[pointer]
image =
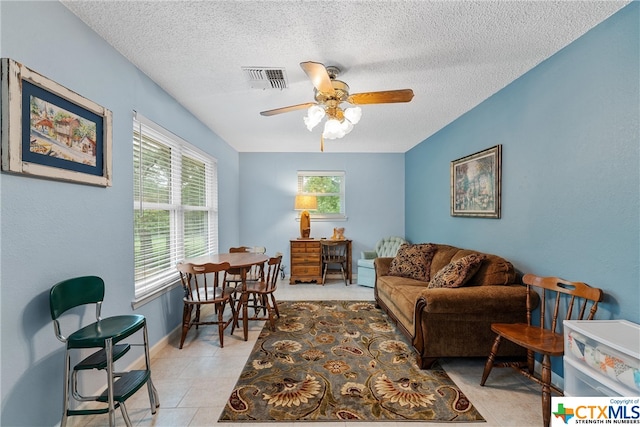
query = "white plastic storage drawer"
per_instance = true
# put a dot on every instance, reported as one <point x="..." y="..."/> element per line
<point x="577" y="383"/>
<point x="607" y="352"/>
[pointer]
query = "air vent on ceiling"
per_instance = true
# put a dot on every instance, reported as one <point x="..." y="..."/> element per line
<point x="266" y="78"/>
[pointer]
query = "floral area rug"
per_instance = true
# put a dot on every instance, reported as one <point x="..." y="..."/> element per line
<point x="340" y="360"/>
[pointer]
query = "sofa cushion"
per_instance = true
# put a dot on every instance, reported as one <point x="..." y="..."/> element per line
<point x="494" y="270"/>
<point x="413" y="261"/>
<point x="400" y="295"/>
<point x="458" y="272"/>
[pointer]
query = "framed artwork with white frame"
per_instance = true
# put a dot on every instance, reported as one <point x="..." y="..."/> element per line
<point x="49" y="131"/>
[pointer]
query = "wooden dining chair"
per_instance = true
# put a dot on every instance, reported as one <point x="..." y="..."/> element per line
<point x="256" y="272"/>
<point x="334" y="252"/>
<point x="543" y="338"/>
<point x="260" y="295"/>
<point x="234" y="275"/>
<point x="205" y="285"/>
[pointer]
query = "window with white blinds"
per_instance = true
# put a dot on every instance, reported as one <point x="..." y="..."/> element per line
<point x="175" y="205"/>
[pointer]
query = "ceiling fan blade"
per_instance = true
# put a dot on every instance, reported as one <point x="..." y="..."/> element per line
<point x="287" y="109"/>
<point x="319" y="76"/>
<point x="383" y="97"/>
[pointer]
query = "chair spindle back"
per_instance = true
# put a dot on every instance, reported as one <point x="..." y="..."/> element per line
<point x="580" y="294"/>
<point x="273" y="269"/>
<point x="195" y="281"/>
<point x="334" y="251"/>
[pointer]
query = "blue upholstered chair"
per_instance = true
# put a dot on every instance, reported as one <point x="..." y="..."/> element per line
<point x="386" y="247"/>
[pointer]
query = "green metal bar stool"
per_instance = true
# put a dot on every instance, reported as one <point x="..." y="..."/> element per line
<point x="106" y="335"/>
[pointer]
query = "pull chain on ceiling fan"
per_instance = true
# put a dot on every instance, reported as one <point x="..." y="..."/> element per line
<point x="329" y="94"/>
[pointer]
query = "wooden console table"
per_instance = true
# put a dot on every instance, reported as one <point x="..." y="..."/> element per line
<point x="306" y="261"/>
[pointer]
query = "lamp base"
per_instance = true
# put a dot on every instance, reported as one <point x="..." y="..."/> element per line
<point x="305" y="225"/>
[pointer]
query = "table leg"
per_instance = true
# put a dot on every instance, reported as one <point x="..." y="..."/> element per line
<point x="244" y="300"/>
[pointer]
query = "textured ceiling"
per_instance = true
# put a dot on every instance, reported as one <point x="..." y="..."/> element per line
<point x="453" y="54"/>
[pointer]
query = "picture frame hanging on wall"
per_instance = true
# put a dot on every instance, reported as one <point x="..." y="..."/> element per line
<point x="49" y="131"/>
<point x="476" y="184"/>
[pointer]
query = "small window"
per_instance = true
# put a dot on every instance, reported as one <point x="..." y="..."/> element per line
<point x="329" y="188"/>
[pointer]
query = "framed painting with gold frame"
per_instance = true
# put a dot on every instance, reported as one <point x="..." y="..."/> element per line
<point x="49" y="131"/>
<point x="476" y="184"/>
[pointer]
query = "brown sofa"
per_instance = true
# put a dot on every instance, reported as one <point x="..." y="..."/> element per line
<point x="453" y="322"/>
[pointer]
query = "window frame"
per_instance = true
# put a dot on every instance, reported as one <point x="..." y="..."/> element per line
<point x="315" y="216"/>
<point x="149" y="287"/>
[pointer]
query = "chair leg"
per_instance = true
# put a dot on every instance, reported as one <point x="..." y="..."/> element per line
<point x="245" y="315"/>
<point x="235" y="309"/>
<point x="235" y="306"/>
<point x="257" y="304"/>
<point x="275" y="305"/>
<point x="490" y="360"/>
<point x="344" y="276"/>
<point x="186" y="321"/>
<point x="546" y="390"/>
<point x="197" y="318"/>
<point x="324" y="273"/>
<point x="271" y="321"/>
<point x="125" y="416"/>
<point x="109" y="354"/>
<point x="234" y="316"/>
<point x="154" y="401"/>
<point x="65" y="393"/>
<point x="220" y="310"/>
<point x="530" y="361"/>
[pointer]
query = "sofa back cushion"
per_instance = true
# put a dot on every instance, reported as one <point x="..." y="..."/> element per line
<point x="413" y="261"/>
<point x="458" y="272"/>
<point x="494" y="270"/>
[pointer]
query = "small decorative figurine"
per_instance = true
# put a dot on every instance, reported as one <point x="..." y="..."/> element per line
<point x="338" y="234"/>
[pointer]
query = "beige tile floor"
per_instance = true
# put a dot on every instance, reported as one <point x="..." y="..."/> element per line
<point x="195" y="382"/>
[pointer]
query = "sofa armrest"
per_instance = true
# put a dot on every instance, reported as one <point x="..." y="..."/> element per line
<point x="381" y="264"/>
<point x="368" y="254"/>
<point x="476" y="299"/>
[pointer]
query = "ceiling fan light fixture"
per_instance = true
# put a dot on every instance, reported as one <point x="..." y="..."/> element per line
<point x="315" y="113"/>
<point x="353" y="114"/>
<point x="347" y="126"/>
<point x="333" y="129"/>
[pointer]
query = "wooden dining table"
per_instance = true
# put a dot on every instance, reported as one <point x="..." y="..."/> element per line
<point x="242" y="261"/>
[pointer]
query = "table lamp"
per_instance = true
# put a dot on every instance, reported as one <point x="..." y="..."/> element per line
<point x="304" y="203"/>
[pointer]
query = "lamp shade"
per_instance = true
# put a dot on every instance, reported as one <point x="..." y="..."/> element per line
<point x="304" y="202"/>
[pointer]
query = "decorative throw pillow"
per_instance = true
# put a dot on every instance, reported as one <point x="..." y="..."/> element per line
<point x="458" y="272"/>
<point x="413" y="261"/>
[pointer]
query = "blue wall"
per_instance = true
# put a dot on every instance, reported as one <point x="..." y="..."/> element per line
<point x="569" y="131"/>
<point x="268" y="184"/>
<point x="53" y="230"/>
